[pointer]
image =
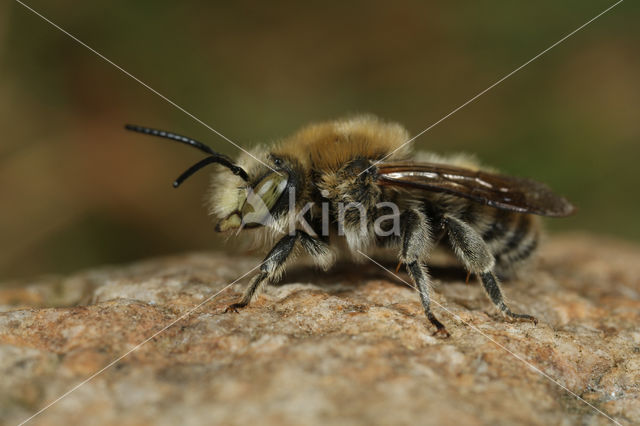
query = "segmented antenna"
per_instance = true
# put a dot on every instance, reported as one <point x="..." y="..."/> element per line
<point x="214" y="158"/>
<point x="191" y="170"/>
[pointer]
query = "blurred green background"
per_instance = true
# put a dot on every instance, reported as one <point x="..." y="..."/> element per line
<point x="77" y="190"/>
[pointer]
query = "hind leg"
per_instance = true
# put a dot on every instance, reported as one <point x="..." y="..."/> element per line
<point x="474" y="253"/>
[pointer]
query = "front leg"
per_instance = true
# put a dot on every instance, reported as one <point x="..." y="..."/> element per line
<point x="273" y="265"/>
<point x="270" y="270"/>
<point x="416" y="245"/>
<point x="474" y="253"/>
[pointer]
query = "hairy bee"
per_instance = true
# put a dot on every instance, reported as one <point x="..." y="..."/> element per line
<point x="353" y="185"/>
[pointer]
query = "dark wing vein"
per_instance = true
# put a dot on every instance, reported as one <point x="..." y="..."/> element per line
<point x="499" y="191"/>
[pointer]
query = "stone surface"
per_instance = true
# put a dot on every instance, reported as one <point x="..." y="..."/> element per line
<point x="347" y="347"/>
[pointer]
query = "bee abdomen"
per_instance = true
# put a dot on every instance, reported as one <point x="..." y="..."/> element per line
<point x="511" y="237"/>
<point x="519" y="242"/>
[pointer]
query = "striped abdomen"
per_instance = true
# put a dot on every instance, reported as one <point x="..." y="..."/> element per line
<point x="512" y="237"/>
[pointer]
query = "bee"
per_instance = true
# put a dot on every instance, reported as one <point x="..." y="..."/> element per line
<point x="353" y="185"/>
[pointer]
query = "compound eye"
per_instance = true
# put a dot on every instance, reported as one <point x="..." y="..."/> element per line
<point x="256" y="210"/>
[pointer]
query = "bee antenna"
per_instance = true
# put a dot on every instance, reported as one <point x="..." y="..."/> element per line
<point x="168" y="135"/>
<point x="214" y="158"/>
<point x="238" y="171"/>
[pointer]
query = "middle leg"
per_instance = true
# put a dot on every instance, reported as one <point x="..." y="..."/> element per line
<point x="416" y="243"/>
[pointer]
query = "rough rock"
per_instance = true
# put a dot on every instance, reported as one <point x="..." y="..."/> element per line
<point x="347" y="347"/>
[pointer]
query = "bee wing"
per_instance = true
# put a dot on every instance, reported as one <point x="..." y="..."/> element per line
<point x="499" y="191"/>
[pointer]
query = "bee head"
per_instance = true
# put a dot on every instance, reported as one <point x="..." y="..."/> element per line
<point x="254" y="202"/>
<point x="257" y="204"/>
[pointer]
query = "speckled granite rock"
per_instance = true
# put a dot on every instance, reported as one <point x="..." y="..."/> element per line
<point x="348" y="347"/>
